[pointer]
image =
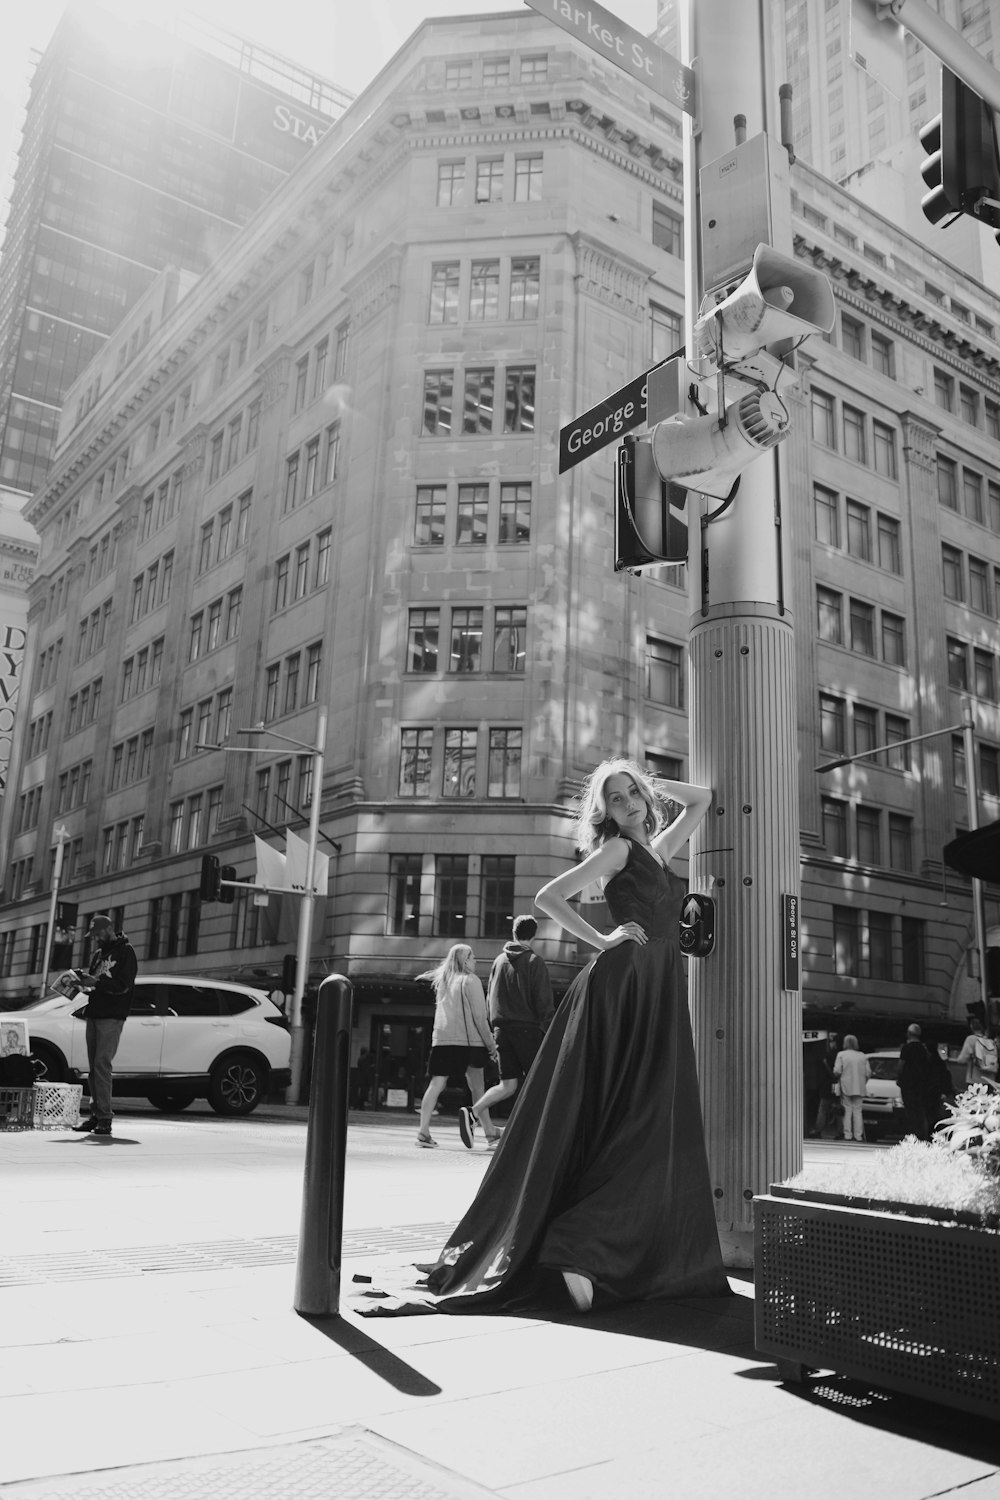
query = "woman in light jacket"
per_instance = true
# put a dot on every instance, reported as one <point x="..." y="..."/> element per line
<point x="462" y="1040"/>
<point x="852" y="1069"/>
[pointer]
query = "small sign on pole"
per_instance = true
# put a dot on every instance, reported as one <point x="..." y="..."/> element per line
<point x="790" y="942"/>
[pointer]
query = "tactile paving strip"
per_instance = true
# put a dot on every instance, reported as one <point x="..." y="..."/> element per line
<point x="210" y="1255"/>
<point x="352" y="1464"/>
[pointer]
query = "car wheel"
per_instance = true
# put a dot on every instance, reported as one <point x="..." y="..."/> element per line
<point x="52" y="1061"/>
<point x="236" y="1084"/>
<point x="171" y="1103"/>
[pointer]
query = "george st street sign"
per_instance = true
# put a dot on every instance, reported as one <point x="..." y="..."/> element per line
<point x="603" y="423"/>
<point x="605" y="34"/>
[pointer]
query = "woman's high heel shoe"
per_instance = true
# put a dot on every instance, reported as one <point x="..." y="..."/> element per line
<point x="581" y="1290"/>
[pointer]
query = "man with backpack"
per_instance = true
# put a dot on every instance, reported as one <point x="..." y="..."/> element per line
<point x="979" y="1053"/>
<point x="519" y="1000"/>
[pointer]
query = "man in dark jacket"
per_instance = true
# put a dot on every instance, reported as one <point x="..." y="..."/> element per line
<point x="912" y="1076"/>
<point x="519" y="1000"/>
<point x="110" y="984"/>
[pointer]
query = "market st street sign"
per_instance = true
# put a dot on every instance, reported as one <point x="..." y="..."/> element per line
<point x="605" y="34"/>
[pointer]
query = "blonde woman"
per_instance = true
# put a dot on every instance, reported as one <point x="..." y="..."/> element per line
<point x="462" y="1040"/>
<point x="852" y="1070"/>
<point x="600" y="1184"/>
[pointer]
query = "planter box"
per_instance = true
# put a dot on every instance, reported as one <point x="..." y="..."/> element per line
<point x="904" y="1302"/>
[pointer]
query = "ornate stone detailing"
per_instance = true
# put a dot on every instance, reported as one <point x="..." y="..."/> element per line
<point x="377" y="289"/>
<point x="274" y="375"/>
<point x="607" y="277"/>
<point x="919" y="440"/>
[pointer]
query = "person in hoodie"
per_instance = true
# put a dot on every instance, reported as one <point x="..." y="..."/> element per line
<point x="110" y="985"/>
<point x="519" y="1000"/>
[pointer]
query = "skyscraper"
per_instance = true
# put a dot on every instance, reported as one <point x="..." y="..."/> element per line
<point x="141" y="148"/>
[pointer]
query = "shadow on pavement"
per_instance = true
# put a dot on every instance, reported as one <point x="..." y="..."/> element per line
<point x="901" y="1416"/>
<point x="96" y="1140"/>
<point x="389" y="1367"/>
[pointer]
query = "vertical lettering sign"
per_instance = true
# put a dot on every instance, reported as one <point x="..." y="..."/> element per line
<point x="12" y="639"/>
<point x="605" y="34"/>
<point x="790" y="942"/>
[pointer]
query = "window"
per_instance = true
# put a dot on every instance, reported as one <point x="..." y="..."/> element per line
<point x="438" y="402"/>
<point x="979" y="585"/>
<point x="884" y="444"/>
<point x="510" y="628"/>
<point x="846" y="942"/>
<point x="271" y="677"/>
<point x="291" y="483"/>
<point x="291" y="683"/>
<point x="992" y="410"/>
<point x="484" y="290"/>
<point x="459" y="778"/>
<point x="422" y="640"/>
<point x="496" y="70"/>
<point x="951" y="573"/>
<point x="947" y="483"/>
<point x="834" y="818"/>
<point x="989" y="770"/>
<point x="281" y="568"/>
<point x="527" y="179"/>
<point x="912" y="933"/>
<point x="234" y="612"/>
<point x="519" y="400"/>
<point x="832" y="723"/>
<point x="893" y="639"/>
<point x="233" y="445"/>
<point x="253" y="425"/>
<point x="859" y="531"/>
<point x="668" y="230"/>
<point x="515" y="513"/>
<point x="314" y="667"/>
<point x="340" y="356"/>
<point x="466" y="640"/>
<point x="504" y="773"/>
<point x="450" y="183"/>
<point x="534" y="69"/>
<point x="862" y="627"/>
<point x="829" y="615"/>
<point x="958" y="664"/>
<point x="477" y="411"/>
<point x="324" y="543"/>
<point x="882" y="355"/>
<point x="972" y="496"/>
<point x="664" y="672"/>
<point x="497" y="888"/>
<point x="896" y="730"/>
<point x="900" y="841"/>
<point x="889" y="550"/>
<point x="968" y="405"/>
<point x="489" y="181"/>
<point x="665" y="332"/>
<point x="225" y="533"/>
<point x="944" y="390"/>
<point x="404" y="895"/>
<point x="451" y="884"/>
<point x="332" y="453"/>
<point x="322" y="354"/>
<point x="473" y="508"/>
<point x="415" y="762"/>
<point x="301" y="380"/>
<point x="823" y="429"/>
<point x="826" y="507"/>
<point x="524" y="286"/>
<point x="984" y="675"/>
<point x="444" y="293"/>
<point x="869" y="821"/>
<point x="215" y="458"/>
<point x="852" y="336"/>
<point x="855" y="444"/>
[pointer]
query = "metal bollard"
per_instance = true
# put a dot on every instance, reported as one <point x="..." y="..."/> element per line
<point x="321" y="1228"/>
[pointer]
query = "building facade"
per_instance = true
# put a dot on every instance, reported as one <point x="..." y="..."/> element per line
<point x="328" y="478"/>
<point x="141" y="148"/>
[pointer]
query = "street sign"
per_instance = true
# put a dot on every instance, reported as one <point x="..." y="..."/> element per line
<point x="605" y="422"/>
<point x="629" y="50"/>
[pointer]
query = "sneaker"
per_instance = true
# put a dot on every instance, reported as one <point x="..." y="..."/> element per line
<point x="426" y="1141"/>
<point x="102" y="1127"/>
<point x="466" y="1126"/>
<point x="87" y="1124"/>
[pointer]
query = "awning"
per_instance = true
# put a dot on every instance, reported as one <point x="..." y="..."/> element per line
<point x="976" y="853"/>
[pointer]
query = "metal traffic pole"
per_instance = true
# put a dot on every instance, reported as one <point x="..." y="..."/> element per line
<point x="321" y="1229"/>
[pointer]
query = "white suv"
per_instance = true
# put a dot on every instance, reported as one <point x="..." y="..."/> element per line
<point x="185" y="1038"/>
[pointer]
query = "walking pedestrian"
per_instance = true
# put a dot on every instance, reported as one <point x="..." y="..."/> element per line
<point x="110" y="985"/>
<point x="600" y="1183"/>
<point x="461" y="1041"/>
<point x="519" y="1002"/>
<point x="827" y="1111"/>
<point x="912" y="1077"/>
<point x="852" y="1070"/>
<point x="979" y="1053"/>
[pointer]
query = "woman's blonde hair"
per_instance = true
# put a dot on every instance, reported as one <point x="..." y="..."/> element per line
<point x="457" y="961"/>
<point x="593" y="822"/>
<point x="851" y="1043"/>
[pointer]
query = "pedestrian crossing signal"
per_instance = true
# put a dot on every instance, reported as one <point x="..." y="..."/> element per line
<point x="646" y="531"/>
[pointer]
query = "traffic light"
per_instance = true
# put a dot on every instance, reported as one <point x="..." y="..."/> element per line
<point x="962" y="169"/>
<point x="227" y="893"/>
<point x="645" y="530"/>
<point x="210" y="888"/>
<point x="697" y="925"/>
<point x="289" y="973"/>
<point x="993" y="971"/>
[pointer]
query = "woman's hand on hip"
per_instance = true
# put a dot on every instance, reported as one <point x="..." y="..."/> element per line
<point x="628" y="932"/>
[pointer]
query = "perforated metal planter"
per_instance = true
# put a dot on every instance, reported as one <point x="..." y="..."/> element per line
<point x="910" y="1304"/>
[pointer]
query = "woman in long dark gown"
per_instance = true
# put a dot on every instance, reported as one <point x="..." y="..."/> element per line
<point x="601" y="1182"/>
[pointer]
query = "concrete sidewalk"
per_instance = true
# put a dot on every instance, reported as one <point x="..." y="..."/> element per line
<point x="140" y="1366"/>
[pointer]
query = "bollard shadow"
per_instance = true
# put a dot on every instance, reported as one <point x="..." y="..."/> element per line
<point x="386" y="1365"/>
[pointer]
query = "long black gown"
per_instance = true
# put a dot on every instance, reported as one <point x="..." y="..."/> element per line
<point x="602" y="1168"/>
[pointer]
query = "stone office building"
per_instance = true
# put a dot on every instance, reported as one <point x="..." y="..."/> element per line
<point x="330" y="479"/>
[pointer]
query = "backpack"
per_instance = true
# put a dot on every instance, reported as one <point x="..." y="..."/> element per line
<point x="986" y="1054"/>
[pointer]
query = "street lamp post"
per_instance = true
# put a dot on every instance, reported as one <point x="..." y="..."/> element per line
<point x="972" y="801"/>
<point x="308" y="898"/>
<point x="61" y="838"/>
